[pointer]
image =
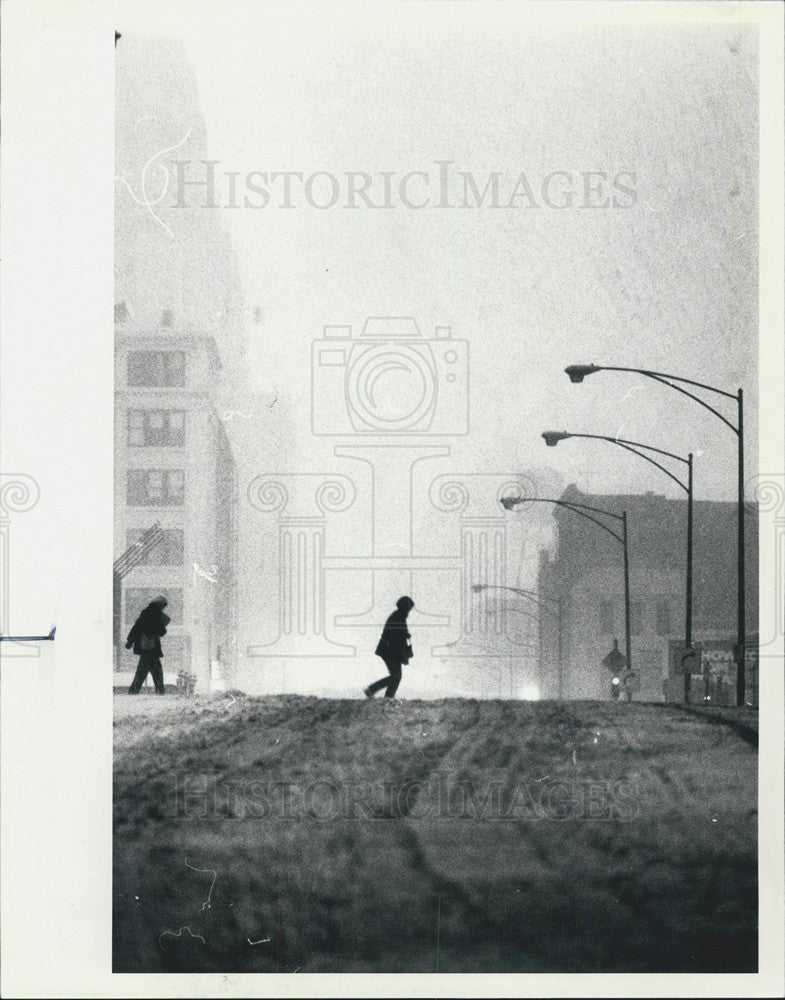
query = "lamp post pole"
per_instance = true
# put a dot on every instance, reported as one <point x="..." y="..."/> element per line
<point x="740" y="657"/>
<point x="577" y="373"/>
<point x="626" y="591"/>
<point x="560" y="653"/>
<point x="688" y="623"/>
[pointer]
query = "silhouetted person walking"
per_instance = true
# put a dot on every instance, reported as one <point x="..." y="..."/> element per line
<point x="145" y="637"/>
<point x="616" y="662"/>
<point x="395" y="649"/>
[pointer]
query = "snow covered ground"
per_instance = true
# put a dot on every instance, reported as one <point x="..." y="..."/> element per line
<point x="293" y="833"/>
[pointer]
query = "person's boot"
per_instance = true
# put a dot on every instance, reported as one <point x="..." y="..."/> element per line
<point x="368" y="693"/>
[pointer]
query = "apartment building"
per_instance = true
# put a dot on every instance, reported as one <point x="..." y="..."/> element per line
<point x="173" y="466"/>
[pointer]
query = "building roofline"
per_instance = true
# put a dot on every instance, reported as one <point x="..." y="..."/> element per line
<point x="157" y="339"/>
<point x="572" y="492"/>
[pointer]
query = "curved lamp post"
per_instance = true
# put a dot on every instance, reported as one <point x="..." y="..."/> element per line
<point x="581" y="508"/>
<point x="552" y="438"/>
<point x="577" y="373"/>
<point x="542" y="604"/>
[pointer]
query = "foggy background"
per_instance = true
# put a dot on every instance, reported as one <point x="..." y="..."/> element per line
<point x="668" y="282"/>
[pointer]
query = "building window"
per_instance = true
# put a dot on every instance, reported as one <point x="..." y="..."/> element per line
<point x="137" y="598"/>
<point x="156" y="368"/>
<point x="120" y="312"/>
<point x="155" y="487"/>
<point x="606" y="617"/>
<point x="636" y="617"/>
<point x="156" y="428"/>
<point x="168" y="552"/>
<point x="167" y="318"/>
<point x="663" y="621"/>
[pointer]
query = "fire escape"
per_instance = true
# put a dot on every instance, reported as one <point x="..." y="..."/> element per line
<point x="123" y="565"/>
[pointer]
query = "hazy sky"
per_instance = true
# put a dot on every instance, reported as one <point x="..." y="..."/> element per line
<point x="600" y="206"/>
<point x="668" y="282"/>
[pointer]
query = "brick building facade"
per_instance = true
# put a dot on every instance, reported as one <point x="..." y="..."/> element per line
<point x="584" y="580"/>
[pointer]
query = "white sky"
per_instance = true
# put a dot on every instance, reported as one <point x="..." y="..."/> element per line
<point x="669" y="284"/>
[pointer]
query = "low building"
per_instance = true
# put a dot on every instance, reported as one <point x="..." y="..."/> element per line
<point x="583" y="580"/>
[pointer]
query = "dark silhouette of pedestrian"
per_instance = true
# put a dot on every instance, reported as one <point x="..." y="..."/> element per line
<point x="395" y="649"/>
<point x="616" y="662"/>
<point x="145" y="637"/>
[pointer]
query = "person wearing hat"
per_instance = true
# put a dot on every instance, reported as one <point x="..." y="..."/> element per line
<point x="395" y="649"/>
<point x="145" y="638"/>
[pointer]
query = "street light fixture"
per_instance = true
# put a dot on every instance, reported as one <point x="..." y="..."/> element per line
<point x="577" y="373"/>
<point x="531" y="594"/>
<point x="581" y="508"/>
<point x="542" y="603"/>
<point x="552" y="438"/>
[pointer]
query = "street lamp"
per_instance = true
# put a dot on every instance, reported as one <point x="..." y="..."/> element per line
<point x="581" y="508"/>
<point x="577" y="373"/>
<point x="542" y="603"/>
<point x="552" y="438"/>
<point x="532" y="595"/>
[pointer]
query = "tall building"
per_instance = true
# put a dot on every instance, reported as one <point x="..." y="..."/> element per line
<point x="179" y="348"/>
<point x="174" y="466"/>
<point x="581" y="585"/>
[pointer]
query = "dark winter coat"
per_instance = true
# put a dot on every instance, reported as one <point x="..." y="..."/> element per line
<point x="152" y="621"/>
<point x="395" y="641"/>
